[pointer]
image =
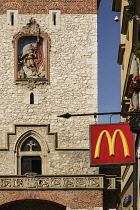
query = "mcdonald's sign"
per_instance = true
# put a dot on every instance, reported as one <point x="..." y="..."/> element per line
<point x="111" y="144"/>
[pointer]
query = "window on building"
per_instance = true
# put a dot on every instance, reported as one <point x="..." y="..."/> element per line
<point x="30" y="145"/>
<point x="12" y="19"/>
<point x="31" y="164"/>
<point x="31" y="161"/>
<point x="31" y="98"/>
<point x="54" y="19"/>
<point x="31" y="151"/>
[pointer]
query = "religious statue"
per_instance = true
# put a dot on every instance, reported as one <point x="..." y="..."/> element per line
<point x="29" y="56"/>
<point x="31" y="62"/>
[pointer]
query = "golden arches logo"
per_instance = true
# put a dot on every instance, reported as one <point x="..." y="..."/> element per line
<point x="111" y="143"/>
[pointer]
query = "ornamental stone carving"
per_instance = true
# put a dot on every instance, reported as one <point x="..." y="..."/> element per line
<point x="32" y="27"/>
<point x="33" y="181"/>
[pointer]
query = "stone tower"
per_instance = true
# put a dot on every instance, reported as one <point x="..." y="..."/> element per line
<point x="48" y="67"/>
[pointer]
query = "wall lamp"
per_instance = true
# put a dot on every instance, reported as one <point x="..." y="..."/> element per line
<point x="116" y="19"/>
<point x="136" y="17"/>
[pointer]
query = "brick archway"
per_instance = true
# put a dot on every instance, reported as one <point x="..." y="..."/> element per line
<point x="32" y="205"/>
<point x="64" y="198"/>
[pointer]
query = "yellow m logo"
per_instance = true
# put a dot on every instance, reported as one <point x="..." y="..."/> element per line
<point x="111" y="143"/>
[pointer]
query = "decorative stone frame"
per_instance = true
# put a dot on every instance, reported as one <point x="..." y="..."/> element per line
<point x="42" y="153"/>
<point x="31" y="30"/>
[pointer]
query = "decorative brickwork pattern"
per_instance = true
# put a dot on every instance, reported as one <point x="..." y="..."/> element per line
<point x="43" y="6"/>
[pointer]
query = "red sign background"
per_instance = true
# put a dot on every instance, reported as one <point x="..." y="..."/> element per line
<point x="105" y="158"/>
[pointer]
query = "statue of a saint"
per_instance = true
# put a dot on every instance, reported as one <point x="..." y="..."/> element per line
<point x="32" y="61"/>
<point x="29" y="57"/>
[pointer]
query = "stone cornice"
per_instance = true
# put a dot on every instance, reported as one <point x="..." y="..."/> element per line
<point x="33" y="181"/>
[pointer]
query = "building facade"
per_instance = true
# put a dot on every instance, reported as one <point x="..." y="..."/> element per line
<point x="128" y="58"/>
<point x="48" y="67"/>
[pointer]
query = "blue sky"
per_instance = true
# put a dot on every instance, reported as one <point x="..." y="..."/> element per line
<point x="108" y="69"/>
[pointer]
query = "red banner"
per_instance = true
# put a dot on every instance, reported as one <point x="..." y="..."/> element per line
<point x="111" y="144"/>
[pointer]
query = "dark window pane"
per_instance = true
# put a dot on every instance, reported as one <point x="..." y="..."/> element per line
<point x="30" y="145"/>
<point x="36" y="166"/>
<point x="31" y="98"/>
<point x="25" y="165"/>
<point x="30" y="164"/>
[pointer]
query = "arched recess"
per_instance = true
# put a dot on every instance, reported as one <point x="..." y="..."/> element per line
<point x="32" y="205"/>
<point x="31" y="58"/>
<point x="31" y="151"/>
<point x="31" y="98"/>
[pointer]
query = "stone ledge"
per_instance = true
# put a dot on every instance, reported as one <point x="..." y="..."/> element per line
<point x="33" y="181"/>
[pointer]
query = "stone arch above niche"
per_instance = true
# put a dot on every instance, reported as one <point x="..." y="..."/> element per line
<point x="32" y="27"/>
<point x="20" y="132"/>
<point x="31" y="46"/>
<point x="31" y="145"/>
<point x="33" y="135"/>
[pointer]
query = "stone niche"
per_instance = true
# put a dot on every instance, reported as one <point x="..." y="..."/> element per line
<point x="31" y="53"/>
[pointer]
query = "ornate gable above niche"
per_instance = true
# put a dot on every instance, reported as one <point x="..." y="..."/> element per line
<point x="21" y="132"/>
<point x="32" y="28"/>
<point x="32" y="48"/>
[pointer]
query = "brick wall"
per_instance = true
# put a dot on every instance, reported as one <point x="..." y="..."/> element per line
<point x="76" y="199"/>
<point x="43" y="6"/>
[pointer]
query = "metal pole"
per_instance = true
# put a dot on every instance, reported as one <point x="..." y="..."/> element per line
<point x="135" y="100"/>
<point x="67" y="115"/>
<point x="135" y="176"/>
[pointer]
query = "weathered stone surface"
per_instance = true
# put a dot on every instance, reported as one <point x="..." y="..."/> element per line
<point x="72" y="88"/>
<point x="70" y="84"/>
<point x="73" y="75"/>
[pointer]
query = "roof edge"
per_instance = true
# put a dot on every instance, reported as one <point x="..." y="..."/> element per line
<point x="116" y="5"/>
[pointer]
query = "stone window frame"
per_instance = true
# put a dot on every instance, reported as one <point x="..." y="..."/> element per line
<point x="42" y="154"/>
<point x="9" y="23"/>
<point x="46" y="79"/>
<point x="27" y="96"/>
<point x="57" y="14"/>
<point x="32" y="98"/>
